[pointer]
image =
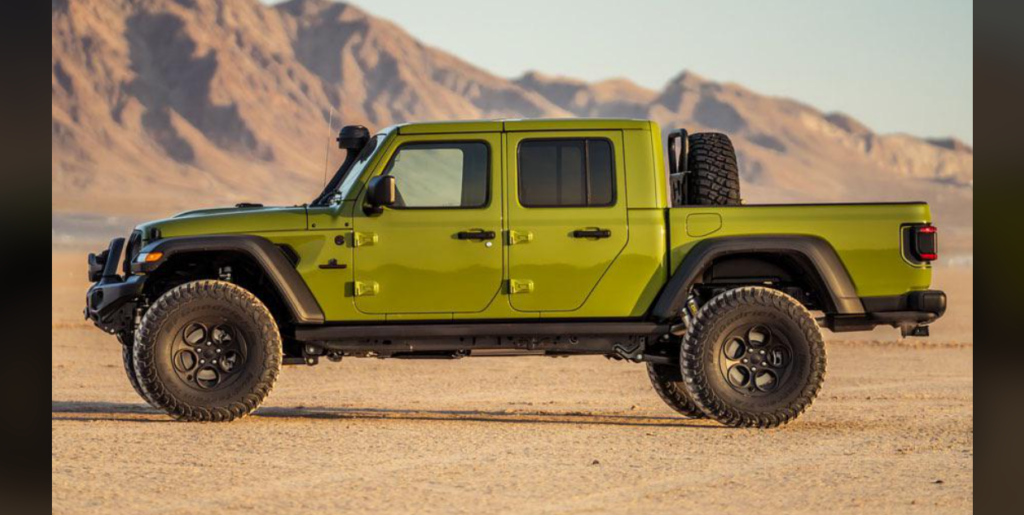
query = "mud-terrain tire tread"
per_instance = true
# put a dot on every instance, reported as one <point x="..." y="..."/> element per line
<point x="711" y="159"/>
<point x="160" y="313"/>
<point x="127" y="358"/>
<point x="672" y="391"/>
<point x="695" y="377"/>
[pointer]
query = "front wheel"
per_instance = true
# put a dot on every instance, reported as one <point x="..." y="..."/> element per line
<point x="207" y="351"/>
<point x="753" y="358"/>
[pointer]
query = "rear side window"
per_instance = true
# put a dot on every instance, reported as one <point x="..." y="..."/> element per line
<point x="441" y="175"/>
<point x="566" y="173"/>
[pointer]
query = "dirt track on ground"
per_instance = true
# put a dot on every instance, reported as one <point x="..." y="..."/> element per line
<point x="892" y="431"/>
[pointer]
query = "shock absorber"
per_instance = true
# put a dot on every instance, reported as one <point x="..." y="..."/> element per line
<point x="690" y="310"/>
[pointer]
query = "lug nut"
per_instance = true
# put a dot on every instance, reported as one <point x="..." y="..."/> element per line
<point x="764" y="363"/>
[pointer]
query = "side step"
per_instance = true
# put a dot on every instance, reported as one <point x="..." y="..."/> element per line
<point x="328" y="333"/>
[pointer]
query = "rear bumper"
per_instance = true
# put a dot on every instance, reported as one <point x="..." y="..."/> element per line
<point x="911" y="313"/>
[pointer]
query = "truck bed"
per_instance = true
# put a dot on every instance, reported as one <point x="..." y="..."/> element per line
<point x="867" y="237"/>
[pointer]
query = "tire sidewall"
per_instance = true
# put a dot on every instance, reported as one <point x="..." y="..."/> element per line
<point x="793" y="384"/>
<point x="167" y="319"/>
<point x="702" y="346"/>
<point x="174" y="325"/>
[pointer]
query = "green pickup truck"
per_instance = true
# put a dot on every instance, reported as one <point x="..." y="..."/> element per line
<point x="517" y="238"/>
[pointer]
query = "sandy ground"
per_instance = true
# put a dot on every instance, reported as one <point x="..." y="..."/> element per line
<point x="893" y="431"/>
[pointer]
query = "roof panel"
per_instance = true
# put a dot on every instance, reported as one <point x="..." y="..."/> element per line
<point x="565" y="124"/>
<point x="451" y="127"/>
<point x="576" y="124"/>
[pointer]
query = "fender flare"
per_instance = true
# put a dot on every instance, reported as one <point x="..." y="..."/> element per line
<point x="285" y="278"/>
<point x="818" y="252"/>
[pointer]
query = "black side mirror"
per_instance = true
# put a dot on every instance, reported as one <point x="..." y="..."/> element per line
<point x="353" y="138"/>
<point x="380" y="193"/>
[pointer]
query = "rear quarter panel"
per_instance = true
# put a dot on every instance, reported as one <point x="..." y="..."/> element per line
<point x="866" y="236"/>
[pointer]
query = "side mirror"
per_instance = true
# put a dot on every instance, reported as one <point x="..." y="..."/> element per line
<point x="380" y="193"/>
<point x="353" y="138"/>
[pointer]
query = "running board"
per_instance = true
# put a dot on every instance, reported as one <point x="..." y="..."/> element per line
<point x="520" y="329"/>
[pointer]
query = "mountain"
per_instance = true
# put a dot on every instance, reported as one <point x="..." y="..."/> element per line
<point x="166" y="104"/>
<point x="614" y="98"/>
<point x="159" y="104"/>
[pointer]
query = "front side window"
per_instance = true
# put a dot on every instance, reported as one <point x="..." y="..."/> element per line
<point x="566" y="173"/>
<point x="441" y="175"/>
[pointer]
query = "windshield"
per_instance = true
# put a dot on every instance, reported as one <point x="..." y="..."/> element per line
<point x="353" y="173"/>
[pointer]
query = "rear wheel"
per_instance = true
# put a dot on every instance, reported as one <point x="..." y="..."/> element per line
<point x="207" y="351"/>
<point x="668" y="382"/>
<point x="753" y="358"/>
<point x="711" y="159"/>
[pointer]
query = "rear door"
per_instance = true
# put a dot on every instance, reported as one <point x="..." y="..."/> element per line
<point x="438" y="250"/>
<point x="566" y="215"/>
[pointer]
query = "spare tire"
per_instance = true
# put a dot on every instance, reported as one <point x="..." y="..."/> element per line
<point x="715" y="179"/>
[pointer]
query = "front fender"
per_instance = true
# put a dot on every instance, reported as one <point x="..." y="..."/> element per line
<point x="289" y="284"/>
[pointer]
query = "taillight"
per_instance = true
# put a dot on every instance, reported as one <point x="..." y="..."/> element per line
<point x="928" y="243"/>
<point x="922" y="243"/>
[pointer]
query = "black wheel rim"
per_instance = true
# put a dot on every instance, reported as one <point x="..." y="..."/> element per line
<point x="755" y="359"/>
<point x="208" y="354"/>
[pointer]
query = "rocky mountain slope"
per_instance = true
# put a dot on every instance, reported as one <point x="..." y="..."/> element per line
<point x="164" y="104"/>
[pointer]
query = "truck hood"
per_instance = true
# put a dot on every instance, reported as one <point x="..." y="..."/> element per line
<point x="228" y="220"/>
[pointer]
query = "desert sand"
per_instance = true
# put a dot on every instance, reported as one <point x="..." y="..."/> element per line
<point x="892" y="431"/>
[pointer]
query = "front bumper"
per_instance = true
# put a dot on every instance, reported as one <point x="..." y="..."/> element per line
<point x="111" y="301"/>
<point x="911" y="313"/>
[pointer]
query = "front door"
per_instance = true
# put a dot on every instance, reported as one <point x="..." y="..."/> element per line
<point x="438" y="250"/>
<point x="566" y="216"/>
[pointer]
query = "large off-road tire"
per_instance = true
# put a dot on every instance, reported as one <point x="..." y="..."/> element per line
<point x="753" y="358"/>
<point x="711" y="159"/>
<point x="207" y="351"/>
<point x="127" y="358"/>
<point x="668" y="382"/>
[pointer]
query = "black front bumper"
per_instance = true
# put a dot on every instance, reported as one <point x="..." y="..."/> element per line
<point x="911" y="313"/>
<point x="112" y="300"/>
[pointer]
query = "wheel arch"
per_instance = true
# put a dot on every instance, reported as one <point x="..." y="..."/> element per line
<point x="279" y="285"/>
<point x="814" y="257"/>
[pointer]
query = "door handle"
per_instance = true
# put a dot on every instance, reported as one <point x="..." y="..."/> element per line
<point x="476" y="234"/>
<point x="592" y="233"/>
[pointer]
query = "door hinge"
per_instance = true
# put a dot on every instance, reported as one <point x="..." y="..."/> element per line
<point x="517" y="237"/>
<point x="520" y="286"/>
<point x="366" y="288"/>
<point x="363" y="239"/>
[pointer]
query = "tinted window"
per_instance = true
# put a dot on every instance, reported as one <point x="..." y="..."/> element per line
<point x="566" y="173"/>
<point x="440" y="175"/>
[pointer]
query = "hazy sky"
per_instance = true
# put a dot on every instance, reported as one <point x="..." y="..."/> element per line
<point x="898" y="66"/>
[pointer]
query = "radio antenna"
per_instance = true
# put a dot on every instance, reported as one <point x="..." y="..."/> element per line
<point x="327" y="146"/>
